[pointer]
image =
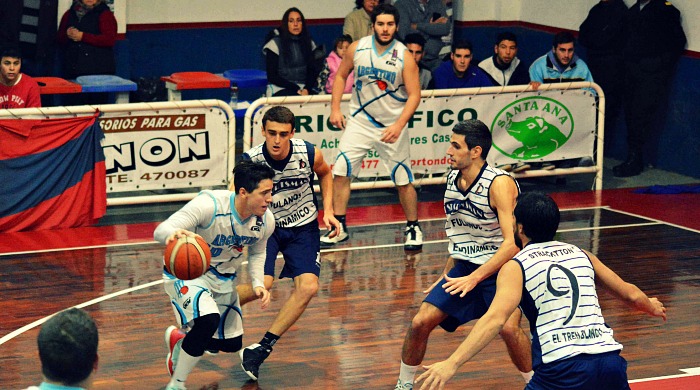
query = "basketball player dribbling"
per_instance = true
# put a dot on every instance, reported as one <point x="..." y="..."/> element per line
<point x="385" y="96"/>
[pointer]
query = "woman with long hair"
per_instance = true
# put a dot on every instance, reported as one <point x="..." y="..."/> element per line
<point x="289" y="57"/>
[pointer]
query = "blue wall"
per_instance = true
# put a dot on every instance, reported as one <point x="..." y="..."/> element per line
<point x="162" y="52"/>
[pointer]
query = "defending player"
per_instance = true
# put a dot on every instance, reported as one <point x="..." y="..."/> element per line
<point x="479" y="202"/>
<point x="296" y="235"/>
<point x="385" y="96"/>
<point x="555" y="284"/>
<point x="208" y="307"/>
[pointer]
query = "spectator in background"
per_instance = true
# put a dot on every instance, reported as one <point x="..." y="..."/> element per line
<point x="447" y="39"/>
<point x="428" y="18"/>
<point x="324" y="82"/>
<point x="559" y="65"/>
<point x="68" y="351"/>
<point x="289" y="57"/>
<point x="504" y="67"/>
<point x="459" y="72"/>
<point x="17" y="90"/>
<point x="87" y="32"/>
<point x="602" y="34"/>
<point x="415" y="44"/>
<point x="358" y="24"/>
<point x="655" y="40"/>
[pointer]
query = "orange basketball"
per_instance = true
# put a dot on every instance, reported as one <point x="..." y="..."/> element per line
<point x="187" y="258"/>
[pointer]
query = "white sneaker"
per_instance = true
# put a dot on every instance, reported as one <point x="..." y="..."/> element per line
<point x="413" y="238"/>
<point x="403" y="386"/>
<point x="326" y="239"/>
<point x="175" y="387"/>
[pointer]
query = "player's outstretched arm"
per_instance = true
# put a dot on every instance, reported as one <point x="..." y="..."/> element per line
<point x="346" y="65"/>
<point x="325" y="179"/>
<point x="508" y="293"/>
<point x="627" y="292"/>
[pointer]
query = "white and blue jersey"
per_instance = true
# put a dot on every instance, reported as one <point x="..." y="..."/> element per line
<point x="212" y="215"/>
<point x="472" y="224"/>
<point x="561" y="303"/>
<point x="379" y="94"/>
<point x="293" y="199"/>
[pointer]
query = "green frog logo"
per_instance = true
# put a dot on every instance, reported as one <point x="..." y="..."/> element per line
<point x="536" y="126"/>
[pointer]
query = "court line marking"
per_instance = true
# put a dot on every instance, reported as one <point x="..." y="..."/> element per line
<point x="654" y="219"/>
<point x="657" y="378"/>
<point x="36" y="323"/>
<point x="40" y="321"/>
<point x="149" y="242"/>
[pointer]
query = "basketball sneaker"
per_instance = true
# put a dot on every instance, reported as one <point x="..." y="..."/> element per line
<point x="403" y="386"/>
<point x="326" y="239"/>
<point x="413" y="238"/>
<point x="252" y="357"/>
<point x="175" y="387"/>
<point x="173" y="340"/>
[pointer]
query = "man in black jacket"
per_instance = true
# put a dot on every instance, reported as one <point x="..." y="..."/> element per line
<point x="602" y="34"/>
<point x="504" y="67"/>
<point x="654" y="41"/>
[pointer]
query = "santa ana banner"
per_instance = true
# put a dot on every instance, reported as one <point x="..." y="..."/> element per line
<point x="526" y="126"/>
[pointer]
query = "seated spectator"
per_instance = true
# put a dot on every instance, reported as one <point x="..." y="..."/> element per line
<point x="87" y="32"/>
<point x="428" y="18"/>
<point x="415" y="44"/>
<point x="68" y="351"/>
<point x="17" y="90"/>
<point x="504" y="67"/>
<point x="324" y="82"/>
<point x="289" y="57"/>
<point x="357" y="23"/>
<point x="459" y="72"/>
<point x="561" y="64"/>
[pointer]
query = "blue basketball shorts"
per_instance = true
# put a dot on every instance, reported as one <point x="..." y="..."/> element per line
<point x="582" y="372"/>
<point x="300" y="247"/>
<point x="462" y="310"/>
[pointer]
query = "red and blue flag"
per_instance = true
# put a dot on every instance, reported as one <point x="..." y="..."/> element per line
<point x="52" y="173"/>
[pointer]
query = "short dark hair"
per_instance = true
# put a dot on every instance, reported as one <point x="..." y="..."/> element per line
<point x="10" y="51"/>
<point x="343" y="38"/>
<point x="68" y="347"/>
<point x="462" y="44"/>
<point x="563" y="37"/>
<point x="506" y="36"/>
<point x="475" y="133"/>
<point x="539" y="215"/>
<point x="414" y="38"/>
<point x="385" y="9"/>
<point x="248" y="174"/>
<point x="279" y="114"/>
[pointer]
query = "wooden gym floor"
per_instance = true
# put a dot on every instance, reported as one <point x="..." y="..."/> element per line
<point x="350" y="336"/>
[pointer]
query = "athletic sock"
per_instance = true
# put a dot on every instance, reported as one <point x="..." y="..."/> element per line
<point x="527" y="375"/>
<point x="341" y="219"/>
<point x="185" y="365"/>
<point x="407" y="373"/>
<point x="412" y="223"/>
<point x="269" y="340"/>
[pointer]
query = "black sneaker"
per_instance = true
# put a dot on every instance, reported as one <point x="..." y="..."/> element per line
<point x="252" y="357"/>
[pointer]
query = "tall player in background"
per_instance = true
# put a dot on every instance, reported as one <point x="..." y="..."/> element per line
<point x="555" y="284"/>
<point x="296" y="235"/>
<point x="385" y="96"/>
<point x="479" y="202"/>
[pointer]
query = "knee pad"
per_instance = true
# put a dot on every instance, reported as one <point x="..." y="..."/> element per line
<point x="199" y="335"/>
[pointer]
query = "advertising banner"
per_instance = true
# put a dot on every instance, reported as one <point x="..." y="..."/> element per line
<point x="526" y="126"/>
<point x="165" y="149"/>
